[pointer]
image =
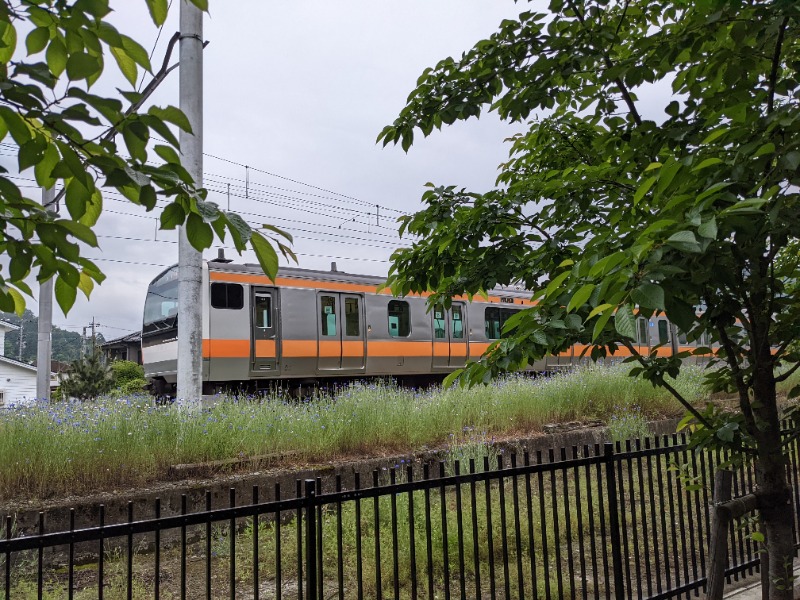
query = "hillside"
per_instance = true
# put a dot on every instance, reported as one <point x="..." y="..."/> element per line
<point x="66" y="344"/>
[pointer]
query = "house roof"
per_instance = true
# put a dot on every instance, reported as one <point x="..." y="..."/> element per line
<point x="17" y="363"/>
<point x="131" y="338"/>
<point x="8" y="326"/>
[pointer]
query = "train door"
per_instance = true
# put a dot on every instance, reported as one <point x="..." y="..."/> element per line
<point x="341" y="335"/>
<point x="264" y="356"/>
<point x="449" y="336"/>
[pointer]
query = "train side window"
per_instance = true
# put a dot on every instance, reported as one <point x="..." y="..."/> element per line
<point x="457" y="322"/>
<point x="328" y="315"/>
<point x="663" y="331"/>
<point x="262" y="310"/>
<point x="642" y="330"/>
<point x="351" y="317"/>
<point x="399" y="318"/>
<point x="439" y="323"/>
<point x="682" y="339"/>
<point x="227" y="295"/>
<point x="493" y="324"/>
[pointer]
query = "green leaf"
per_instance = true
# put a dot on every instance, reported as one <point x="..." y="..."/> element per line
<point x="126" y="65"/>
<point x="600" y="324"/>
<point x="709" y="162"/>
<point x="198" y="232"/>
<point x="580" y="297"/>
<point x="172" y="216"/>
<point x="65" y="294"/>
<point x="56" y="56"/>
<point x="77" y="197"/>
<point x="267" y="257"/>
<point x="37" y="40"/>
<point x="81" y="65"/>
<point x="643" y="189"/>
<point x="168" y="154"/>
<point x="173" y="115"/>
<point x="136" y="52"/>
<point x="708" y="230"/>
<point x="44" y="168"/>
<point x="768" y="148"/>
<point x="599" y="309"/>
<point x="8" y="41"/>
<point x="758" y="537"/>
<point x="649" y="295"/>
<point x="555" y="285"/>
<point x="714" y="135"/>
<point x="158" y="11"/>
<point x="625" y="321"/>
<point x="82" y="232"/>
<point x="685" y="241"/>
<point x="790" y="160"/>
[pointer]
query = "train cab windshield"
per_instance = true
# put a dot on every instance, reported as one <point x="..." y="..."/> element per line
<point x="161" y="304"/>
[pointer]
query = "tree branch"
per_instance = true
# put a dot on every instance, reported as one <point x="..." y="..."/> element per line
<point x="686" y="404"/>
<point x="789" y="373"/>
<point x="776" y="57"/>
<point x="744" y="399"/>
<point x="626" y="96"/>
<point x="159" y="77"/>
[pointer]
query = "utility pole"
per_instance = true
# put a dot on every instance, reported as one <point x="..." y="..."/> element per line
<point x="190" y="261"/>
<point x="45" y="348"/>
<point x="21" y="338"/>
<point x="94" y="342"/>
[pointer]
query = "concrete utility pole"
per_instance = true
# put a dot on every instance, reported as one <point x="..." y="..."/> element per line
<point x="44" y="350"/>
<point x="190" y="261"/>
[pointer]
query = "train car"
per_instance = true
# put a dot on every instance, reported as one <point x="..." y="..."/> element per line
<point x="309" y="326"/>
<point x="313" y="327"/>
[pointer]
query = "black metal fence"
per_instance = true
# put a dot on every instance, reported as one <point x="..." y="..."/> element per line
<point x="597" y="522"/>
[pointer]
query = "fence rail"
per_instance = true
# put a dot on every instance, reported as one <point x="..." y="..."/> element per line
<point x="629" y="521"/>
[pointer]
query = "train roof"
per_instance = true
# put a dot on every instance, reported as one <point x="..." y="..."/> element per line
<point x="333" y="275"/>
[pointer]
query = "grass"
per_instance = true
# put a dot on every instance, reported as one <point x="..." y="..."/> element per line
<point x="75" y="448"/>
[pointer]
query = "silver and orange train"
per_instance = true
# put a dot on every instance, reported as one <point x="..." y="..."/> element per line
<point x="313" y="327"/>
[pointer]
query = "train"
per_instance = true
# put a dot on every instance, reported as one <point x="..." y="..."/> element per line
<point x="314" y="327"/>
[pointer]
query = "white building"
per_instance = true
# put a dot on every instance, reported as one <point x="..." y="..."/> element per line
<point x="17" y="379"/>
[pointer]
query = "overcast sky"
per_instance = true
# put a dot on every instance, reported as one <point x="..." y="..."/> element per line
<point x="299" y="92"/>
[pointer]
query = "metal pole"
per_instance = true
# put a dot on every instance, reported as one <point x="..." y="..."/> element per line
<point x="613" y="520"/>
<point x="190" y="261"/>
<point x="45" y="339"/>
<point x="311" y="540"/>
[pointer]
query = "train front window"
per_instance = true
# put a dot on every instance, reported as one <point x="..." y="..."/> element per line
<point x="161" y="303"/>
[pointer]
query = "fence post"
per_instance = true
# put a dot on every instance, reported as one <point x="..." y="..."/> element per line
<point x="718" y="544"/>
<point x="311" y="539"/>
<point x="613" y="520"/>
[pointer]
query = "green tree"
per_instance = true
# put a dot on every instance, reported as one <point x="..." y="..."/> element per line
<point x="609" y="208"/>
<point x="73" y="140"/>
<point x="67" y="345"/>
<point x="88" y="378"/>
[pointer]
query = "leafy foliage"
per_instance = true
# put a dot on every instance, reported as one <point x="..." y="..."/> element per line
<point x="87" y="378"/>
<point x="74" y="139"/>
<point x="128" y="377"/>
<point x="607" y="211"/>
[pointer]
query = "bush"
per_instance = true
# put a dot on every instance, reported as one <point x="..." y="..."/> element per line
<point x="128" y="377"/>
